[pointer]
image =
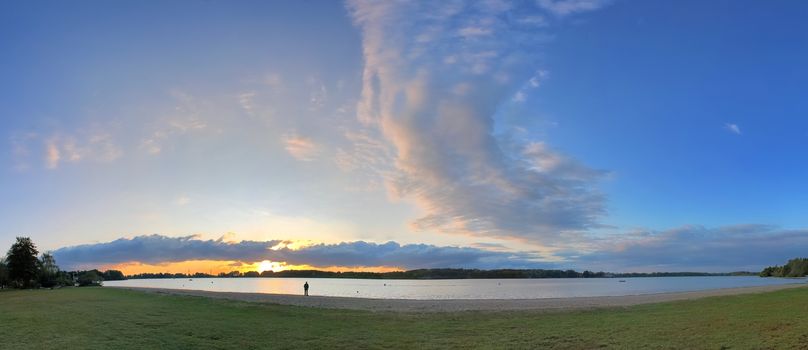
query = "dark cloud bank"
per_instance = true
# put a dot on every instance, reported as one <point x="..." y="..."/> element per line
<point x="699" y="248"/>
<point x="687" y="248"/>
<point x="159" y="249"/>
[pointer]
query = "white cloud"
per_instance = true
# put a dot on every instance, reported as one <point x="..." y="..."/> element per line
<point x="151" y="145"/>
<point x="568" y="7"/>
<point x="733" y="128"/>
<point x="538" y="21"/>
<point x="472" y="31"/>
<point x="446" y="158"/>
<point x="532" y="83"/>
<point x="519" y="96"/>
<point x="536" y="80"/>
<point x="245" y="99"/>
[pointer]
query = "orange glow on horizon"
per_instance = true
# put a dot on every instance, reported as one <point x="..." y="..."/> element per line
<point x="218" y="266"/>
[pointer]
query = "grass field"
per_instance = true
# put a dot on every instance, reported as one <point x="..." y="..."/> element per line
<point x="104" y="318"/>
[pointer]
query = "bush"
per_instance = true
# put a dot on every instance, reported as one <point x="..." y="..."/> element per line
<point x="90" y="278"/>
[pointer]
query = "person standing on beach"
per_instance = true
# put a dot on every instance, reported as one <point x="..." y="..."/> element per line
<point x="306" y="288"/>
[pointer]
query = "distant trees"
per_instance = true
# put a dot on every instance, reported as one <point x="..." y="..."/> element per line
<point x="794" y="268"/>
<point x="433" y="274"/>
<point x="411" y="274"/>
<point x="158" y="275"/>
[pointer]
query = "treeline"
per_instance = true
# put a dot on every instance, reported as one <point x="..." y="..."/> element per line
<point x="793" y="268"/>
<point x="411" y="274"/>
<point x="433" y="274"/>
<point x="173" y="275"/>
<point x="683" y="274"/>
<point x="23" y="267"/>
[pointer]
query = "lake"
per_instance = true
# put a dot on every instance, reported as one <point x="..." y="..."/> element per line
<point x="460" y="289"/>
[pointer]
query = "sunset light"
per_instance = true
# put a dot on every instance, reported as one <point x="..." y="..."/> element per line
<point x="477" y="146"/>
<point x="444" y="167"/>
<point x="267" y="265"/>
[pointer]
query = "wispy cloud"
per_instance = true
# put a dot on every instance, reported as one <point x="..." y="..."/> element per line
<point x="568" y="7"/>
<point x="186" y="117"/>
<point x="532" y="83"/>
<point x="535" y="20"/>
<point x="245" y="99"/>
<point x="60" y="147"/>
<point x="155" y="249"/>
<point x="472" y="31"/>
<point x="21" y="149"/>
<point x="368" y="158"/>
<point x="434" y="101"/>
<point x="319" y="94"/>
<point x="300" y="147"/>
<point x="52" y="155"/>
<point x="273" y="81"/>
<point x="733" y="128"/>
<point x="182" y="200"/>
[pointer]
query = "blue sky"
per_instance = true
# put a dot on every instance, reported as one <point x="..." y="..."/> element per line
<point x="607" y="135"/>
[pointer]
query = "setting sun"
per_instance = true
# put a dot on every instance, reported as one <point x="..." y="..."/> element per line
<point x="267" y="265"/>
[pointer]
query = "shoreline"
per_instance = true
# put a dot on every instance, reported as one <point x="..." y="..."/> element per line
<point x="454" y="305"/>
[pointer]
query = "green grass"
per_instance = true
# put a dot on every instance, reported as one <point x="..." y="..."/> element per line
<point x="105" y="318"/>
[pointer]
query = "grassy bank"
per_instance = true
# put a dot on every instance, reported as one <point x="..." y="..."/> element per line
<point x="103" y="318"/>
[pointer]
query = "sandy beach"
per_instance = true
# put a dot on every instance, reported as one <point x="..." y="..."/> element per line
<point x="449" y="305"/>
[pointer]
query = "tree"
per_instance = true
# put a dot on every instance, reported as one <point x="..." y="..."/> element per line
<point x="794" y="268"/>
<point x="113" y="275"/>
<point x="48" y="270"/>
<point x="89" y="278"/>
<point x="22" y="263"/>
<point x="3" y="274"/>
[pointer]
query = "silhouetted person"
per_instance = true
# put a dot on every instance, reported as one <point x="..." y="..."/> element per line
<point x="306" y="288"/>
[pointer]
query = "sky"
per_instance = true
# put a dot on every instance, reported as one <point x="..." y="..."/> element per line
<point x="609" y="135"/>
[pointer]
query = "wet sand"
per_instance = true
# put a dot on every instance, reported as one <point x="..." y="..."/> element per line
<point x="451" y="305"/>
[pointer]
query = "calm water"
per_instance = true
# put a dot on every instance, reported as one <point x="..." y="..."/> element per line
<point x="459" y="289"/>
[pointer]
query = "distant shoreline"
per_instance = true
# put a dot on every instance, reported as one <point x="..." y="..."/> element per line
<point x="440" y="273"/>
<point x="453" y="305"/>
